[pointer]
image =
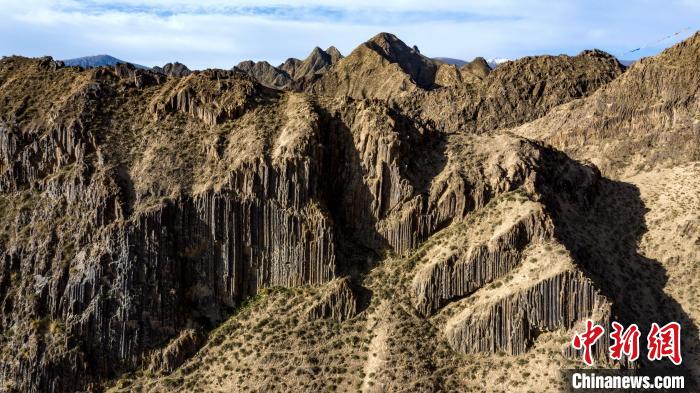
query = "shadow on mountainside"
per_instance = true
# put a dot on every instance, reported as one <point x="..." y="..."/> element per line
<point x="356" y="209"/>
<point x="602" y="235"/>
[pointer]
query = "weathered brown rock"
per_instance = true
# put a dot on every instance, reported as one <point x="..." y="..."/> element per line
<point x="266" y="74"/>
<point x="176" y="69"/>
<point x="512" y="321"/>
<point x="292" y="73"/>
<point x="318" y="61"/>
<point x="383" y="67"/>
<point x="211" y="96"/>
<point x="177" y="352"/>
<point x="478" y="67"/>
<point x="338" y="302"/>
<point x="645" y="119"/>
<point x="461" y="273"/>
<point x="136" y="207"/>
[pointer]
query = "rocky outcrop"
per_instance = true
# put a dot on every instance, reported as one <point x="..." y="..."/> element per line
<point x="383" y="67"/>
<point x="461" y="273"/>
<point x="124" y="264"/>
<point x="479" y="67"/>
<point x="511" y="321"/>
<point x="448" y="75"/>
<point x="292" y="73"/>
<point x="266" y="74"/>
<point x="137" y="77"/>
<point x="177" y="352"/>
<point x="211" y="96"/>
<point x="318" y="61"/>
<point x="337" y="302"/>
<point x="176" y="69"/>
<point x="525" y="89"/>
<point x="513" y="94"/>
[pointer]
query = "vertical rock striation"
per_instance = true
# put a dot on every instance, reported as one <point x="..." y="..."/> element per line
<point x="513" y="321"/>
<point x="458" y="274"/>
<point x="338" y="302"/>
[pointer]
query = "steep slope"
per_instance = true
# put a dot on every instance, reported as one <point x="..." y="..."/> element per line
<point x="182" y="197"/>
<point x="383" y="67"/>
<point x="157" y="230"/>
<point x="646" y="119"/>
<point x="514" y="93"/>
<point x="386" y="344"/>
<point x="643" y="130"/>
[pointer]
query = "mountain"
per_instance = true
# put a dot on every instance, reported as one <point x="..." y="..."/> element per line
<point x="265" y="73"/>
<point x="495" y="62"/>
<point x="449" y="60"/>
<point x="292" y="71"/>
<point x="96" y="61"/>
<point x="387" y="223"/>
<point x="382" y="67"/>
<point x="479" y="67"/>
<point x="317" y="61"/>
<point x="643" y="120"/>
<point x="173" y="69"/>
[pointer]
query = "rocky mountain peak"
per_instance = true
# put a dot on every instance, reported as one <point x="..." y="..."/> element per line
<point x="287" y="74"/>
<point x="479" y="67"/>
<point x="265" y="73"/>
<point x="420" y="68"/>
<point x="175" y="69"/>
<point x="334" y="53"/>
<point x="315" y="61"/>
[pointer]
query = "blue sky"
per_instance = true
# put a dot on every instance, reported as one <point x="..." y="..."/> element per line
<point x="215" y="33"/>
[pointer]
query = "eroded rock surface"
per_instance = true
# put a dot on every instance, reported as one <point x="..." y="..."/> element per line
<point x="141" y="210"/>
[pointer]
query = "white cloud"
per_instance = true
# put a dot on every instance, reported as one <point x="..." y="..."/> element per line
<point x="215" y="33"/>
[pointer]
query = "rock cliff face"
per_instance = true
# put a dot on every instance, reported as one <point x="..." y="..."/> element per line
<point x="131" y="256"/>
<point x="455" y="275"/>
<point x="338" y="303"/>
<point x="154" y="222"/>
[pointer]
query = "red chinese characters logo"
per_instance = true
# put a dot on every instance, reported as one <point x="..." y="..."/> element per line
<point x="586" y="340"/>
<point x="665" y="342"/>
<point x="662" y="342"/>
<point x="624" y="342"/>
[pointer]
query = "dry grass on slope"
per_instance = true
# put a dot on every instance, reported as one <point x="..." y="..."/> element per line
<point x="645" y="119"/>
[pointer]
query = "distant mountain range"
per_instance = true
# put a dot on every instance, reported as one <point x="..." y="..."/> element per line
<point x="493" y="63"/>
<point x="97" y="61"/>
<point x="448" y="60"/>
<point x="107" y="60"/>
